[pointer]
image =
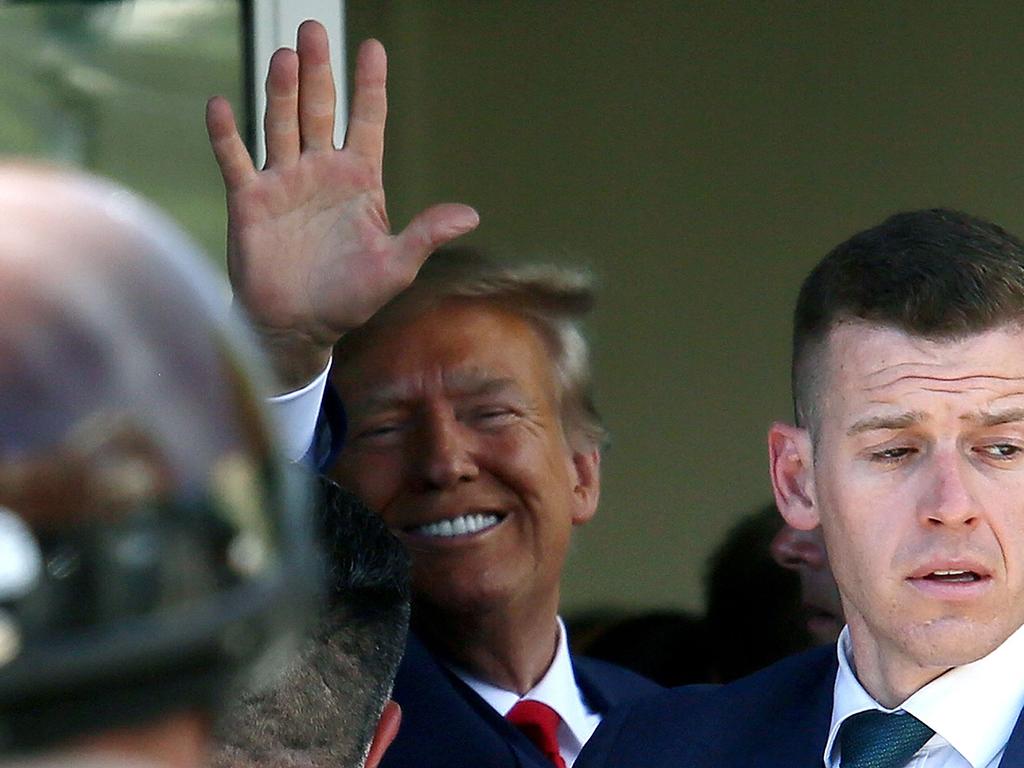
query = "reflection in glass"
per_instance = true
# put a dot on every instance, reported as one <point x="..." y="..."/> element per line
<point x="120" y="88"/>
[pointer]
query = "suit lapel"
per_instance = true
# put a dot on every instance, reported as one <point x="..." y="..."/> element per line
<point x="590" y="685"/>
<point x="1014" y="754"/>
<point x="795" y="731"/>
<point x="468" y="725"/>
<point x="523" y="750"/>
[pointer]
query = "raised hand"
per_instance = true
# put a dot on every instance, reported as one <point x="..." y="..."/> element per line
<point x="310" y="250"/>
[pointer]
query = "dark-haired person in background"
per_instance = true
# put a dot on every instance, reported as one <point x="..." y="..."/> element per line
<point x="753" y="607"/>
<point x="754" y="617"/>
<point x="471" y="430"/>
<point x="803" y="551"/>
<point x="908" y="381"/>
<point x="330" y="706"/>
<point x="670" y="647"/>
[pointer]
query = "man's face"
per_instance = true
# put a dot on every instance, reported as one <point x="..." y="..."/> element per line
<point x="804" y="552"/>
<point x="917" y="480"/>
<point x="455" y="438"/>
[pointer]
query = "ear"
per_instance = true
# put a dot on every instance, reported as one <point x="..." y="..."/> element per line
<point x="791" y="460"/>
<point x="587" y="485"/>
<point x="387" y="729"/>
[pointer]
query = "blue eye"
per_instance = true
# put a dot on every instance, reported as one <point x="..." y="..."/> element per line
<point x="1001" y="451"/>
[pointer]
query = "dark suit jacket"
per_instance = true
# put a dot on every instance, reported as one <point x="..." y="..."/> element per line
<point x="445" y="723"/>
<point x="776" y="718"/>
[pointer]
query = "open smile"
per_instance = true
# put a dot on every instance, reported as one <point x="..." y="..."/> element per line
<point x="456" y="527"/>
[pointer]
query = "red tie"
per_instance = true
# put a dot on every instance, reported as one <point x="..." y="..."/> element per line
<point x="540" y="724"/>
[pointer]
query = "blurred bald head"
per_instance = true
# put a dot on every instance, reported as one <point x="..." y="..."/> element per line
<point x="146" y="518"/>
<point x="99" y="292"/>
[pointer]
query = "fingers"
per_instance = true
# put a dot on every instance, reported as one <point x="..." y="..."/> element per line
<point x="316" y="88"/>
<point x="433" y="228"/>
<point x="232" y="157"/>
<point x="281" y="121"/>
<point x="365" y="134"/>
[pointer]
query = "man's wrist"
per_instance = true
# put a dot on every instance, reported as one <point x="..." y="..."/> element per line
<point x="296" y="362"/>
<point x="296" y="412"/>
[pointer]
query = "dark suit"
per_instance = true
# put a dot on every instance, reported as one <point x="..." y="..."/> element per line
<point x="445" y="723"/>
<point x="776" y="718"/>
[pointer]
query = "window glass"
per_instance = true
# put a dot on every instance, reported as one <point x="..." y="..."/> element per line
<point x="119" y="88"/>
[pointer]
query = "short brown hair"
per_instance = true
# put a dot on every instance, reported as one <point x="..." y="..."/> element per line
<point x="938" y="274"/>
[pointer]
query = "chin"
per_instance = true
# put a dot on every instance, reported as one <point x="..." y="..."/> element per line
<point x="949" y="643"/>
<point x="464" y="596"/>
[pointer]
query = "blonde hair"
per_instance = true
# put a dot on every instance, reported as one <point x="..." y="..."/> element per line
<point x="553" y="299"/>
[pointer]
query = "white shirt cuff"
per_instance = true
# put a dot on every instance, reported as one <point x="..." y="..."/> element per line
<point x="295" y="414"/>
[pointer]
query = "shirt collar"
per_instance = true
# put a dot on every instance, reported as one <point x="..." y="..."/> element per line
<point x="557" y="689"/>
<point x="973" y="707"/>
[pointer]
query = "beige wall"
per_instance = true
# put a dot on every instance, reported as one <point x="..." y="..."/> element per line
<point x="701" y="158"/>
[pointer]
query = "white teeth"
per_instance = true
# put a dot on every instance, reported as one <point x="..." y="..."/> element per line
<point x="949" y="573"/>
<point x="458" y="526"/>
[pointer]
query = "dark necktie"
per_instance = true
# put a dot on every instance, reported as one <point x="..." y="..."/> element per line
<point x="539" y="723"/>
<point x="875" y="739"/>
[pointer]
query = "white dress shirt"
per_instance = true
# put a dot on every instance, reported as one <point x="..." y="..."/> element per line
<point x="557" y="689"/>
<point x="972" y="708"/>
<point x="295" y="414"/>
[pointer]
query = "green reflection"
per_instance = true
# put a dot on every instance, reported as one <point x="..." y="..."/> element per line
<point x="120" y="88"/>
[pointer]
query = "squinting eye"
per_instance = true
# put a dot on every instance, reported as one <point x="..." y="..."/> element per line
<point x="493" y="416"/>
<point x="892" y="455"/>
<point x="379" y="434"/>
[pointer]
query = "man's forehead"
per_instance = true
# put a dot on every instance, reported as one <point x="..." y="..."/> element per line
<point x="885" y="378"/>
<point x="451" y="382"/>
<point x="879" y="355"/>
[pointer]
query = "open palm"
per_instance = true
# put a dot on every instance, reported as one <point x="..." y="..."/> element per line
<point x="310" y="250"/>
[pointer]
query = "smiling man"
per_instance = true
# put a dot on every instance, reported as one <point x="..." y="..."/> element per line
<point x="908" y="383"/>
<point x="471" y="430"/>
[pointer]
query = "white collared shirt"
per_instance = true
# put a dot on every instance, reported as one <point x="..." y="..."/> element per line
<point x="294" y="414"/>
<point x="972" y="708"/>
<point x="557" y="689"/>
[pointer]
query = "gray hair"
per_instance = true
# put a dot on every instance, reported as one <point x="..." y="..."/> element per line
<point x="553" y="299"/>
<point x="322" y="709"/>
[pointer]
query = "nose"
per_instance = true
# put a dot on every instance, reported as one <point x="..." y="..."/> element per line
<point x="795" y="549"/>
<point x="948" y="499"/>
<point x="445" y="456"/>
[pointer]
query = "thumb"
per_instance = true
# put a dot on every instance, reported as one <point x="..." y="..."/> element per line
<point x="432" y="228"/>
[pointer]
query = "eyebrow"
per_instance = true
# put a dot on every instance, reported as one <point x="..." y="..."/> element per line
<point x="910" y="418"/>
<point x="995" y="418"/>
<point x="465" y="384"/>
<point x="892" y="421"/>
